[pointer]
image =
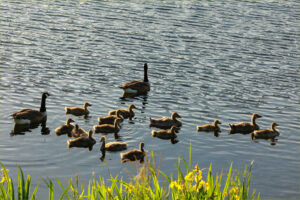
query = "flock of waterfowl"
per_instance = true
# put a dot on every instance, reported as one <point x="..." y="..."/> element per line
<point x="111" y="124"/>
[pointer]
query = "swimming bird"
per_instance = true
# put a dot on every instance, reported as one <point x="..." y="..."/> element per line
<point x="245" y="127"/>
<point x="30" y="116"/>
<point x="166" y="122"/>
<point x="66" y="128"/>
<point x="138" y="87"/>
<point x="210" y="127"/>
<point x="110" y="119"/>
<point x="126" y="113"/>
<point x="112" y="146"/>
<point x="78" y="132"/>
<point x="166" y="134"/>
<point x="267" y="133"/>
<point x="78" y="111"/>
<point x="108" y="128"/>
<point x="82" y="141"/>
<point x="134" y="154"/>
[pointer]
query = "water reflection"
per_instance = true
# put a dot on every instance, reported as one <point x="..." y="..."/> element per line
<point x="21" y="129"/>
<point x="272" y="140"/>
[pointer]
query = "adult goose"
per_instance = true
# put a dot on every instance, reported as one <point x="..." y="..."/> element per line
<point x="244" y="127"/>
<point x="210" y="127"/>
<point x="110" y="119"/>
<point x="30" y="116"/>
<point x="82" y="141"/>
<point x="78" y="111"/>
<point x="137" y="87"/>
<point x="112" y="146"/>
<point x="66" y="128"/>
<point x="166" y="134"/>
<point x="166" y="122"/>
<point x="125" y="113"/>
<point x="134" y="154"/>
<point x="267" y="133"/>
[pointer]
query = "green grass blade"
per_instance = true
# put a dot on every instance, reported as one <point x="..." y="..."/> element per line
<point x="227" y="180"/>
<point x="33" y="196"/>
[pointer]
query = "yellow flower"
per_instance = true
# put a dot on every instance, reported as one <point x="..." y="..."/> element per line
<point x="129" y="188"/>
<point x="3" y="179"/>
<point x="188" y="177"/>
<point x="207" y="186"/>
<point x="202" y="183"/>
<point x="7" y="170"/>
<point x="226" y="194"/>
<point x="173" y="184"/>
<point x="109" y="190"/>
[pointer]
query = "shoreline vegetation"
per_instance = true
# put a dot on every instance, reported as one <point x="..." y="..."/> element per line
<point x="149" y="183"/>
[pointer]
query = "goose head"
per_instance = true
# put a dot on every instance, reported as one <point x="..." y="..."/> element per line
<point x="216" y="122"/>
<point x="175" y="115"/>
<point x="86" y="104"/>
<point x="45" y="95"/>
<point x="69" y="120"/>
<point x="131" y="106"/>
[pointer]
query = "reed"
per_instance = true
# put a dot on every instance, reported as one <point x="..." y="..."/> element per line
<point x="147" y="184"/>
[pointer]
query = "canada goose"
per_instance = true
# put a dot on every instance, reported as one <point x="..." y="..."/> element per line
<point x="108" y="128"/>
<point x="166" y="134"/>
<point x="110" y="119"/>
<point x="30" y="116"/>
<point x="112" y="146"/>
<point x="66" y="128"/>
<point x="166" y="122"/>
<point x="138" y="87"/>
<point x="78" y="132"/>
<point x="126" y="113"/>
<point x="245" y="127"/>
<point x="210" y="127"/>
<point x="134" y="154"/>
<point x="267" y="133"/>
<point x="82" y="141"/>
<point x="78" y="111"/>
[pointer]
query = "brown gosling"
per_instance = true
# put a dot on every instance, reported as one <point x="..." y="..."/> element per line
<point x="166" y="134"/>
<point x="66" y="128"/>
<point x="112" y="146"/>
<point x="108" y="128"/>
<point x="30" y="116"/>
<point x="210" y="127"/>
<point x="134" y="154"/>
<point x="267" y="133"/>
<point x="245" y="127"/>
<point x="110" y="119"/>
<point x="82" y="141"/>
<point x="78" y="132"/>
<point x="166" y="122"/>
<point x="137" y="87"/>
<point x="78" y="111"/>
<point x="126" y="113"/>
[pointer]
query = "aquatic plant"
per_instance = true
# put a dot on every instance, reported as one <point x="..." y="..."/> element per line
<point x="189" y="184"/>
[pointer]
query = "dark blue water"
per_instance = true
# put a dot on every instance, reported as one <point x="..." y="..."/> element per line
<point x="207" y="61"/>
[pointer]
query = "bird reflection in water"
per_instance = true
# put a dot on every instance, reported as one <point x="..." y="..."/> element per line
<point x="22" y="129"/>
<point x="272" y="140"/>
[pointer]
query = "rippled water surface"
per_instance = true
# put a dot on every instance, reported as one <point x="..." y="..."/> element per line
<point x="207" y="61"/>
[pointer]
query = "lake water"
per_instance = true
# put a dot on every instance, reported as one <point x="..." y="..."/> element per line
<point x="207" y="61"/>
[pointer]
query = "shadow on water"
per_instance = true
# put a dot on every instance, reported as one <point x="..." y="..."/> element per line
<point x="22" y="129"/>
